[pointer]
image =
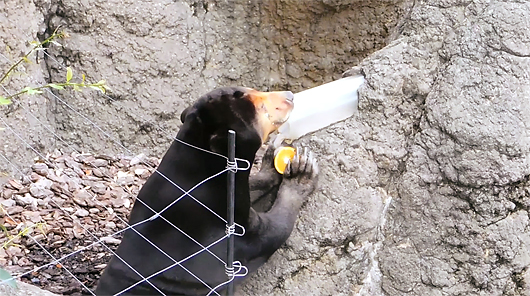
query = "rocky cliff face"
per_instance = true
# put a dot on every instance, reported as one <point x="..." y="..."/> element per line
<point x="423" y="192"/>
<point x="158" y="56"/>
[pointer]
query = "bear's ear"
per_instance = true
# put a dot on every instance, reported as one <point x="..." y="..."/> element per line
<point x="184" y="113"/>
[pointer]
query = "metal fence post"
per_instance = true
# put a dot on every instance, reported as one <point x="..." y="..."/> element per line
<point x="230" y="208"/>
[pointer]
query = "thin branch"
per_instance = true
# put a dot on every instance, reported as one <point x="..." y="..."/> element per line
<point x="25" y="57"/>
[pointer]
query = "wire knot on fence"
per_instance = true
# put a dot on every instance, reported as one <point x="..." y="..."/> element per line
<point x="231" y="166"/>
<point x="231" y="230"/>
<point x="231" y="272"/>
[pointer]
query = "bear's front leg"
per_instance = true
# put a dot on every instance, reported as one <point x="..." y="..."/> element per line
<point x="269" y="230"/>
<point x="299" y="181"/>
<point x="265" y="184"/>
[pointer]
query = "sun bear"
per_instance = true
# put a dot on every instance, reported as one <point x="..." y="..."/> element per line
<point x="171" y="256"/>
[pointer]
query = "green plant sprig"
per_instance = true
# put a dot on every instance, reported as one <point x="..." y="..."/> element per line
<point x="100" y="85"/>
<point x="27" y="230"/>
<point x="35" y="48"/>
<point x="41" y="226"/>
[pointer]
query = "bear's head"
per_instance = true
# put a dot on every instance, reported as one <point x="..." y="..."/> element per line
<point x="252" y="114"/>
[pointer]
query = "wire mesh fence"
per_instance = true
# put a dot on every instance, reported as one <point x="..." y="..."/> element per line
<point x="35" y="191"/>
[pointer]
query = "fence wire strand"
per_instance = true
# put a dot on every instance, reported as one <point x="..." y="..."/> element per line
<point x="232" y="273"/>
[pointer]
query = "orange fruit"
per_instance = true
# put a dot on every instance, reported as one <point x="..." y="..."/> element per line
<point x="283" y="156"/>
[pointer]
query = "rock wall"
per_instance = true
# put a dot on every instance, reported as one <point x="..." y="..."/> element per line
<point x="427" y="189"/>
<point x="423" y="192"/>
<point x="447" y="109"/>
<point x="20" y="23"/>
<point x="160" y="55"/>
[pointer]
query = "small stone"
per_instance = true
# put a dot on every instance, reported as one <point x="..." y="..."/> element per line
<point x="100" y="266"/>
<point x="153" y="161"/>
<point x="34" y="217"/>
<point x="94" y="210"/>
<point x="98" y="173"/>
<point x="120" y="202"/>
<point x="80" y="202"/>
<point x="13" y="250"/>
<point x="43" y="183"/>
<point x="139" y="172"/>
<point x="110" y="240"/>
<point x="15" y="184"/>
<point x="75" y="167"/>
<point x="73" y="184"/>
<point x="117" y="192"/>
<point x="124" y="178"/>
<point x="25" y="200"/>
<point x="38" y="192"/>
<point x="137" y="159"/>
<point x="23" y="191"/>
<point x="110" y="225"/>
<point x="81" y="213"/>
<point x="44" y="201"/>
<point x="40" y="168"/>
<point x="83" y="157"/>
<point x="81" y="269"/>
<point x="106" y="157"/>
<point x="8" y="193"/>
<point x="99" y="188"/>
<point x="56" y="153"/>
<point x="8" y="203"/>
<point x="23" y="261"/>
<point x="15" y="210"/>
<point x="81" y="197"/>
<point x="34" y="177"/>
<point x="58" y="243"/>
<point x="99" y="163"/>
<point x="146" y="174"/>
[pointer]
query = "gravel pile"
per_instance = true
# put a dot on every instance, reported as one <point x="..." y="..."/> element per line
<point x="64" y="205"/>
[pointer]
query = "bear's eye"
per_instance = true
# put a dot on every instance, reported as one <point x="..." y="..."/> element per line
<point x="238" y="94"/>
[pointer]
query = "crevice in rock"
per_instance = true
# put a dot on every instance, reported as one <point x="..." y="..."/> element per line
<point x="518" y="279"/>
<point x="372" y="281"/>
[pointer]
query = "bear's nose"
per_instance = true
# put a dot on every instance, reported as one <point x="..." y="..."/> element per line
<point x="289" y="95"/>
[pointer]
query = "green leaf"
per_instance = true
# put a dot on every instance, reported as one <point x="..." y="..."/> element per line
<point x="101" y="82"/>
<point x="9" y="280"/>
<point x="84" y="78"/>
<point x="53" y="85"/>
<point x="31" y="91"/>
<point x="4" y="101"/>
<point x="69" y="74"/>
<point x="98" y="87"/>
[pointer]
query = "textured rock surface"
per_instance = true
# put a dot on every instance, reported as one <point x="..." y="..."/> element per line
<point x="20" y="22"/>
<point x="424" y="192"/>
<point x="442" y="133"/>
<point x="24" y="290"/>
<point x="160" y="55"/>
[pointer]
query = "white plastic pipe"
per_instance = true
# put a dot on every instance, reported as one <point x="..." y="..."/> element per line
<point x="321" y="106"/>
